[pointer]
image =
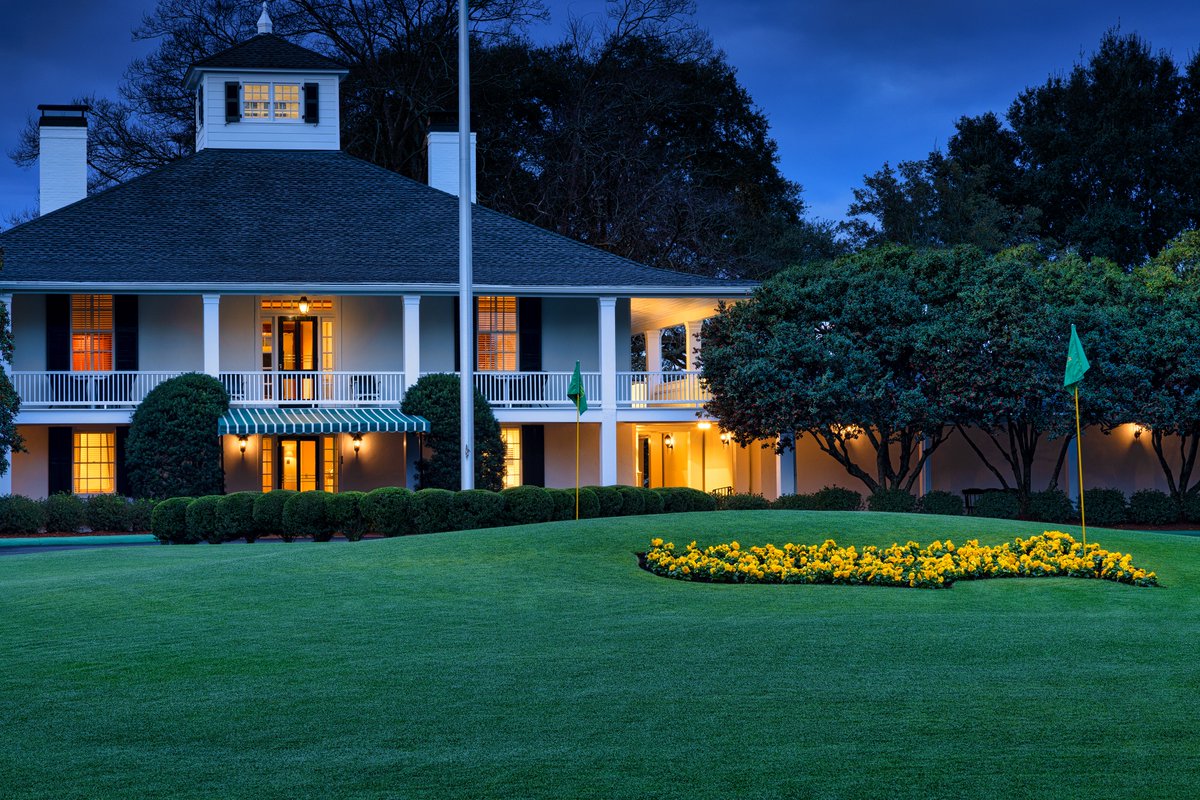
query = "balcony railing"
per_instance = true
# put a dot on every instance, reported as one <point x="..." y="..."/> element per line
<point x="534" y="389"/>
<point x="347" y="388"/>
<point x="85" y="389"/>
<point x="669" y="389"/>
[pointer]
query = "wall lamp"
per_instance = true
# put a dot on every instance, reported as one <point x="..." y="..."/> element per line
<point x="303" y="304"/>
<point x="669" y="442"/>
<point x="242" y="445"/>
<point x="725" y="437"/>
<point x="356" y="443"/>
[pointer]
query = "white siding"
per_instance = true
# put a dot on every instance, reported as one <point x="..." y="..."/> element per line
<point x="29" y="332"/>
<point x="239" y="333"/>
<point x="255" y="135"/>
<point x="372" y="333"/>
<point x="437" y="334"/>
<point x="170" y="335"/>
<point x="570" y="332"/>
<point x="62" y="167"/>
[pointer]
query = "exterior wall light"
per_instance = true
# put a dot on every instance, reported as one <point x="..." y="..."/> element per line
<point x="725" y="437"/>
<point x="242" y="445"/>
<point x="669" y="442"/>
<point x="356" y="443"/>
<point x="303" y="304"/>
<point x="703" y="424"/>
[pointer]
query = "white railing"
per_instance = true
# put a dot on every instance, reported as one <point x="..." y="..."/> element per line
<point x="533" y="389"/>
<point x="344" y="388"/>
<point x="669" y="389"/>
<point x="124" y="389"/>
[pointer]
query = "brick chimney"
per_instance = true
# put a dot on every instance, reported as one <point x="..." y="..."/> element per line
<point x="62" y="159"/>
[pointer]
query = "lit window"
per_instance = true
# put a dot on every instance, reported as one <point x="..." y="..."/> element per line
<point x="267" y="449"/>
<point x="511" y="435"/>
<point x="95" y="463"/>
<point x="256" y="101"/>
<point x="91" y="332"/>
<point x="496" y="341"/>
<point x="330" y="462"/>
<point x="287" y="101"/>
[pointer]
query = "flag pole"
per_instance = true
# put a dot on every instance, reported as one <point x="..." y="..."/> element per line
<point x="1079" y="462"/>
<point x="466" y="305"/>
<point x="576" y="460"/>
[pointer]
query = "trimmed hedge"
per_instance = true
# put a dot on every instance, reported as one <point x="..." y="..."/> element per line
<point x="610" y="500"/>
<point x="65" y="513"/>
<point x="632" y="503"/>
<point x="479" y="508"/>
<point x="1191" y="506"/>
<point x="268" y="512"/>
<point x="168" y="523"/>
<point x="946" y="504"/>
<point x="835" y="498"/>
<point x="564" y="503"/>
<point x="1152" y="507"/>
<point x="652" y="501"/>
<point x="1052" y="505"/>
<point x="433" y="511"/>
<point x="998" y="504"/>
<point x="141" y="514"/>
<point x="306" y="514"/>
<point x="742" y="502"/>
<point x="895" y="501"/>
<point x="795" y="502"/>
<point x="202" y="520"/>
<point x="388" y="511"/>
<point x="107" y="512"/>
<point x="589" y="503"/>
<point x="235" y="516"/>
<point x="525" y="505"/>
<point x="345" y="514"/>
<point x="1105" y="507"/>
<point x="19" y="514"/>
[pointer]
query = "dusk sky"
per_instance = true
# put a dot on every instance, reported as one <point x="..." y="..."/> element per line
<point x="846" y="85"/>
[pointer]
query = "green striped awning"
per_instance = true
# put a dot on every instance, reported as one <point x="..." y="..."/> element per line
<point x="247" y="421"/>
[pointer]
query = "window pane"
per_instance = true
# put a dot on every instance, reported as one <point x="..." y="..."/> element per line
<point x="496" y="342"/>
<point x="256" y="101"/>
<point x="512" y="455"/>
<point x="330" y="462"/>
<point x="91" y="332"/>
<point x="287" y="101"/>
<point x="95" y="463"/>
<point x="267" y="449"/>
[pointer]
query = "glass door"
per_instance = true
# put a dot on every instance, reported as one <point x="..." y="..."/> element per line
<point x="299" y="464"/>
<point x="298" y="353"/>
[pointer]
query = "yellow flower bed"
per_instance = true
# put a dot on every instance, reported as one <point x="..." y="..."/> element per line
<point x="1050" y="554"/>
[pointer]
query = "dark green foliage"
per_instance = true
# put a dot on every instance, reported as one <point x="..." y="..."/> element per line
<point x="64" y="513"/>
<point x="940" y="502"/>
<point x="632" y="503"/>
<point x="1105" y="507"/>
<point x="998" y="505"/>
<point x="202" y="520"/>
<point x="795" y="502"/>
<point x="680" y="499"/>
<point x="564" y="503"/>
<point x="524" y="505"/>
<point x="10" y="403"/>
<point x="742" y="502"/>
<point x="479" y="508"/>
<point x="589" y="503"/>
<point x="610" y="500"/>
<point x="141" y="514"/>
<point x="652" y="501"/>
<point x="307" y="514"/>
<point x="345" y="514"/>
<point x="893" y="500"/>
<point x="168" y="522"/>
<point x="1191" y="506"/>
<point x="173" y="448"/>
<point x="388" y="511"/>
<point x="107" y="512"/>
<point x="235" y="516"/>
<point x="1152" y="507"/>
<point x="436" y="398"/>
<point x="19" y="514"/>
<point x="1052" y="505"/>
<point x="433" y="511"/>
<point x="835" y="498"/>
<point x="268" y="511"/>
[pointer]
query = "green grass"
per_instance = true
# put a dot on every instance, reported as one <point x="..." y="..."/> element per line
<point x="541" y="662"/>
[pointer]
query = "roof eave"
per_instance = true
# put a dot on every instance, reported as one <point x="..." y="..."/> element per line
<point x="192" y="78"/>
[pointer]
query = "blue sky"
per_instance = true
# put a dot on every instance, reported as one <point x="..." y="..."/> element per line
<point x="846" y="85"/>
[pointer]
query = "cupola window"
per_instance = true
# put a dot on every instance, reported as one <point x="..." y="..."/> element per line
<point x="271" y="101"/>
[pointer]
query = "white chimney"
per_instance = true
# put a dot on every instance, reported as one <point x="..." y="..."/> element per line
<point x="442" y="149"/>
<point x="62" y="156"/>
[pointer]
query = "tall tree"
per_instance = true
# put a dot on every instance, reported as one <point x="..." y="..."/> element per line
<point x="10" y="403"/>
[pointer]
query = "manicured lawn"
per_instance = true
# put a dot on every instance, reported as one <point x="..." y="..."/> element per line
<point x="541" y="662"/>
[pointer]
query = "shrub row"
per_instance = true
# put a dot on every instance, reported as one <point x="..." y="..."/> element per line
<point x="68" y="513"/>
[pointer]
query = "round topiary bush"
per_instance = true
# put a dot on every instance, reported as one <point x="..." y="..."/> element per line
<point x="64" y="513"/>
<point x="946" y="504"/>
<point x="268" y="512"/>
<point x="478" y="508"/>
<point x="835" y="498"/>
<point x="526" y="505"/>
<point x="896" y="501"/>
<point x="564" y="503"/>
<point x="632" y="503"/>
<point x="589" y="503"/>
<point x="1052" y="505"/>
<point x="141" y="514"/>
<point x="168" y="522"/>
<point x="306" y="514"/>
<point x="1105" y="506"/>
<point x="610" y="500"/>
<point x="682" y="498"/>
<point x="436" y="398"/>
<point x="107" y="512"/>
<point x="433" y="511"/>
<point x="744" y="502"/>
<point x="19" y="514"/>
<point x="998" y="504"/>
<point x="202" y="521"/>
<point x="388" y="511"/>
<point x="173" y="449"/>
<point x="795" y="502"/>
<point x="235" y="516"/>
<point x="652" y="502"/>
<point x="1152" y="507"/>
<point x="345" y="514"/>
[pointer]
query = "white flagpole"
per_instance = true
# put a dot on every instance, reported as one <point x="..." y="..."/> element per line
<point x="466" y="305"/>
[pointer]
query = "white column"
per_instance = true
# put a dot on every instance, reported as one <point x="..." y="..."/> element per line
<point x="653" y="350"/>
<point x="6" y="478"/>
<point x="786" y="474"/>
<point x="925" y="482"/>
<point x="1072" y="468"/>
<point x="212" y="334"/>
<point x="412" y="339"/>
<point x="693" y="343"/>
<point x="608" y="391"/>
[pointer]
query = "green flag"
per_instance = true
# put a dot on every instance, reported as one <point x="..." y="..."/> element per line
<point x="1077" y="362"/>
<point x="575" y="391"/>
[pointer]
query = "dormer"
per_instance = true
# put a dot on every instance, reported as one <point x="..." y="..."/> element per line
<point x="267" y="94"/>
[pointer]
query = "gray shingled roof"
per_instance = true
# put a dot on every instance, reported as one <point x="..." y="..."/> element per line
<point x="225" y="217"/>
<point x="268" y="51"/>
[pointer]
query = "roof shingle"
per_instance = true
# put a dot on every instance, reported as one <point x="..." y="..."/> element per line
<point x="268" y="51"/>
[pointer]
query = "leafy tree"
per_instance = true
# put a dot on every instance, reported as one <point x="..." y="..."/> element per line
<point x="436" y="398"/>
<point x="851" y="353"/>
<point x="173" y="448"/>
<point x="10" y="403"/>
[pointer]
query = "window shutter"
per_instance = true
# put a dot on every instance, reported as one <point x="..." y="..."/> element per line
<point x="125" y="332"/>
<point x="58" y="332"/>
<point x="457" y="338"/>
<point x="233" y="108"/>
<point x="122" y="473"/>
<point x="60" y="460"/>
<point x="529" y="334"/>
<point x="312" y="106"/>
<point x="533" y="455"/>
<point x="200" y="107"/>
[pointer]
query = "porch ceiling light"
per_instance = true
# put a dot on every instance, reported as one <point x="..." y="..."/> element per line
<point x="303" y="304"/>
<point x="669" y="442"/>
<point x="703" y="424"/>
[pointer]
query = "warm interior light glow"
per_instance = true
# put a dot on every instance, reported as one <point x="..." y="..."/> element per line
<point x="725" y="437"/>
<point x="703" y="424"/>
<point x="669" y="441"/>
<point x="242" y="444"/>
<point x="356" y="442"/>
<point x="303" y="304"/>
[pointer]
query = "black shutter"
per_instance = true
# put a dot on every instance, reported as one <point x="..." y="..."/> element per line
<point x="58" y="332"/>
<point x="122" y="473"/>
<point x="200" y="107"/>
<point x="457" y="338"/>
<point x="60" y="460"/>
<point x="233" y="108"/>
<point x="125" y="332"/>
<point x="312" y="106"/>
<point x="457" y="359"/>
<point x="529" y="334"/>
<point x="533" y="455"/>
